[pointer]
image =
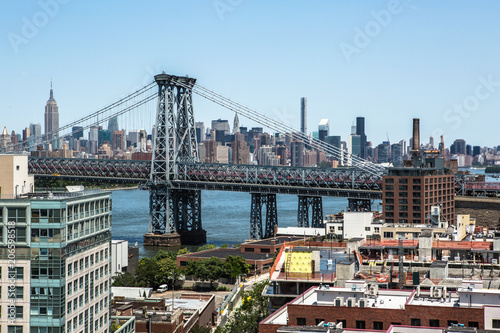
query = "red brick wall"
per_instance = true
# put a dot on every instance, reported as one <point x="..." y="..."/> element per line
<point x="268" y="328"/>
<point x="387" y="316"/>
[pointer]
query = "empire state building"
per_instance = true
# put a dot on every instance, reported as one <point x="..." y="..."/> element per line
<point x="51" y="117"/>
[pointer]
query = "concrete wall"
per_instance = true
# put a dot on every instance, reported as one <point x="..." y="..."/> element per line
<point x="14" y="178"/>
<point x="119" y="256"/>
<point x="355" y="224"/>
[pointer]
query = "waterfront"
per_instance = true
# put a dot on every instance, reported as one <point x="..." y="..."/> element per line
<point x="225" y="215"/>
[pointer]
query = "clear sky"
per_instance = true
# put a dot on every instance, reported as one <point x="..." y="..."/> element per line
<point x="388" y="61"/>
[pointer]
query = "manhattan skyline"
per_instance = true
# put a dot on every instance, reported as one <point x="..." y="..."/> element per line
<point x="387" y="61"/>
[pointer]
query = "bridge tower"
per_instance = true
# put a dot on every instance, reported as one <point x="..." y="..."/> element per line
<point x="258" y="201"/>
<point x="175" y="214"/>
<point x="315" y="204"/>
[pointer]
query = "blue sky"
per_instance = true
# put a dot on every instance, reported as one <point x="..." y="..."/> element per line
<point x="389" y="61"/>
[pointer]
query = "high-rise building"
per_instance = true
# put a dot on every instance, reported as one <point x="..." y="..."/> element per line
<point x="61" y="278"/>
<point x="397" y="154"/>
<point x="323" y="129"/>
<point x="476" y="150"/>
<point x="113" y="125"/>
<point x="335" y="140"/>
<point x="360" y="130"/>
<point x="458" y="147"/>
<point x="220" y="125"/>
<point x="51" y="117"/>
<point x="297" y="154"/>
<point x="36" y="133"/>
<point x="199" y="127"/>
<point x="236" y="124"/>
<point x="353" y="147"/>
<point x="77" y="132"/>
<point x="240" y="150"/>
<point x="408" y="194"/>
<point x="383" y="153"/>
<point x="119" y="141"/>
<point x="303" y="115"/>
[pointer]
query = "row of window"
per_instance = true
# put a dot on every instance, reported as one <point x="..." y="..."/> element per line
<point x="379" y="325"/>
<point x="88" y="261"/>
<point x="78" y="321"/>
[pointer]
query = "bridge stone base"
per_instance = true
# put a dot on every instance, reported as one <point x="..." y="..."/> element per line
<point x="173" y="239"/>
<point x="485" y="210"/>
<point x="184" y="237"/>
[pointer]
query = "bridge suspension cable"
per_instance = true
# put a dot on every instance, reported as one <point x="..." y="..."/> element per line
<point x="286" y="129"/>
<point x="129" y="102"/>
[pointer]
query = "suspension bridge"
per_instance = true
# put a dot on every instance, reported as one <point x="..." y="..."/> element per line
<point x="175" y="176"/>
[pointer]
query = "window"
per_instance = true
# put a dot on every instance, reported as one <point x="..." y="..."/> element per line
<point x="70" y="289"/>
<point x="360" y="324"/>
<point x="16" y="273"/>
<point x="18" y="293"/>
<point x="376" y="229"/>
<point x="249" y="249"/>
<point x="69" y="270"/>
<point x="452" y="322"/>
<point x="367" y="228"/>
<point x="495" y="323"/>
<point x="378" y="325"/>
<point x="388" y="234"/>
<point x="394" y="324"/>
<point x="435" y="323"/>
<point x="343" y="321"/>
<point x="301" y="321"/>
<point x="19" y="312"/>
<point x="14" y="329"/>
<point x="474" y="324"/>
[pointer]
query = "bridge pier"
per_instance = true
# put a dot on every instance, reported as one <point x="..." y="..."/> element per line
<point x="359" y="205"/>
<point x="316" y="206"/>
<point x="258" y="201"/>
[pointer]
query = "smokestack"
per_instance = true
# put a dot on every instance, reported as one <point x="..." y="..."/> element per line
<point x="415" y="150"/>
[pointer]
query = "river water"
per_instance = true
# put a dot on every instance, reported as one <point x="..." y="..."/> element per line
<point x="225" y="215"/>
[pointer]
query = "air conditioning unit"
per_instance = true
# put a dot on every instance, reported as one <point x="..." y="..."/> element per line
<point x="436" y="292"/>
<point x="494" y="261"/>
<point x="373" y="290"/>
<point x="446" y="258"/>
<point x="339" y="301"/>
<point x="351" y="302"/>
<point x="457" y="258"/>
<point x="363" y="302"/>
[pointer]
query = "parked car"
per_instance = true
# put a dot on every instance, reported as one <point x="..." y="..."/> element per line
<point x="162" y="288"/>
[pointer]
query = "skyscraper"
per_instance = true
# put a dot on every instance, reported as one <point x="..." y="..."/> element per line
<point x="236" y="124"/>
<point x="113" y="125"/>
<point x="360" y="130"/>
<point x="303" y="115"/>
<point x="324" y="129"/>
<point x="51" y="117"/>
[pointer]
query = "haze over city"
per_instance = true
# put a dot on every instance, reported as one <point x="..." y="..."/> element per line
<point x="387" y="61"/>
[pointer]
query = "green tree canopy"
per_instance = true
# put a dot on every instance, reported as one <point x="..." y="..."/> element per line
<point x="234" y="266"/>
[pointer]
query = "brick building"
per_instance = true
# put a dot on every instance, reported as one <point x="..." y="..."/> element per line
<point x="361" y="306"/>
<point x="409" y="192"/>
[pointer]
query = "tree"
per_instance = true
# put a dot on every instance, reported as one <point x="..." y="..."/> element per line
<point x="206" y="247"/>
<point x="252" y="311"/>
<point x="182" y="251"/>
<point x="235" y="265"/>
<point x="124" y="280"/>
<point x="146" y="273"/>
<point x="209" y="269"/>
<point x="165" y="268"/>
<point x="324" y="164"/>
